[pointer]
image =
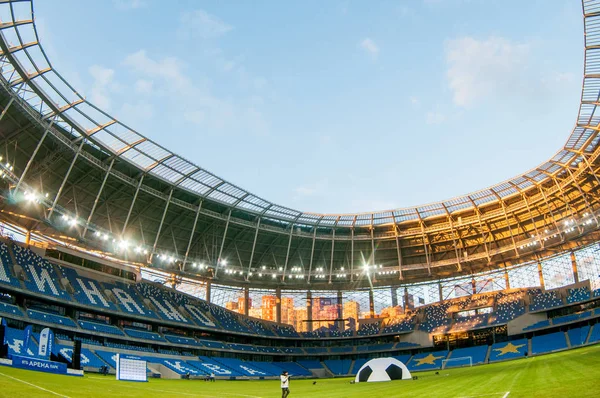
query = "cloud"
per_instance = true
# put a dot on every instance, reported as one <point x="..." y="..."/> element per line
<point x="143" y="86"/>
<point x="169" y="69"/>
<point x="435" y="118"/>
<point x="101" y="86"/>
<point x="369" y="46"/>
<point x="415" y="101"/>
<point x="480" y="68"/>
<point x="199" y="24"/>
<point x="129" y="4"/>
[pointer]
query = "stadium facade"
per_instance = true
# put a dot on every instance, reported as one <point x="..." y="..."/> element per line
<point x="104" y="210"/>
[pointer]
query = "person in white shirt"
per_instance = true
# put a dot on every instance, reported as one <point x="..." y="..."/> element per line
<point x="285" y="384"/>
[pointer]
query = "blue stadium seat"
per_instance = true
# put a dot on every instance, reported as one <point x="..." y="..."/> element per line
<point x="576" y="295"/>
<point x="594" y="334"/>
<point x="128" y="299"/>
<point x="368" y="329"/>
<point x="293" y="368"/>
<point x="214" y="344"/>
<point x="100" y="327"/>
<point x="339" y="366"/>
<point x="51" y="318"/>
<point x="548" y="343"/>
<point x="211" y="365"/>
<point x="10" y="309"/>
<point x="178" y="366"/>
<point x="508" y="307"/>
<point x="508" y="350"/>
<point x="544" y="300"/>
<point x="181" y="340"/>
<point x="243" y="368"/>
<point x="292" y="350"/>
<point x="427" y="360"/>
<point x="578" y="336"/>
<point x="285" y="331"/>
<point x="87" y="291"/>
<point x="342" y="349"/>
<point x="87" y="357"/>
<point x="310" y="364"/>
<point x="358" y="363"/>
<point x="403" y="358"/>
<point x="41" y="276"/>
<point x="143" y="334"/>
<point x="436" y="318"/>
<point x="400" y="325"/>
<point x="7" y="275"/>
<point x="476" y="353"/>
<point x="538" y="325"/>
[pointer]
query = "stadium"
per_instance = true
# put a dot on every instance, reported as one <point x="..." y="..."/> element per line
<point x="116" y="253"/>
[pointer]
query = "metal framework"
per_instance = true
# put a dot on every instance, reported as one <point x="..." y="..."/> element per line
<point x="116" y="182"/>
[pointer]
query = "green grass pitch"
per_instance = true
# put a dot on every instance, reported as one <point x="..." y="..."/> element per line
<point x="574" y="373"/>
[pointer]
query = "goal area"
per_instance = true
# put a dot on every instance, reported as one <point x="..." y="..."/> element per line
<point x="457" y="362"/>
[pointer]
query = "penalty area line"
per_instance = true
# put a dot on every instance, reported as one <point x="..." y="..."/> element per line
<point x="506" y="395"/>
<point x="34" y="385"/>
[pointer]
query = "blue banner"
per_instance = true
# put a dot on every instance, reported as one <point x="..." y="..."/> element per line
<point x="27" y="337"/>
<point x="46" y="343"/>
<point x="39" y="364"/>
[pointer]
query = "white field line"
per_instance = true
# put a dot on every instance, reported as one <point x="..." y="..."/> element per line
<point x="487" y="395"/>
<point x="201" y="395"/>
<point x="34" y="385"/>
<point x="506" y="395"/>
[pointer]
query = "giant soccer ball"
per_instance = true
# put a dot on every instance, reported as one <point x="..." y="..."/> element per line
<point x="382" y="369"/>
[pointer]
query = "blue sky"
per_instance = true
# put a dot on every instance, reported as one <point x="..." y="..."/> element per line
<point x="332" y="106"/>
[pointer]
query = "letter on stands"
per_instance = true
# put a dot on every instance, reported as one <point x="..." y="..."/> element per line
<point x="42" y="280"/>
<point x="200" y="316"/>
<point x="127" y="300"/>
<point x="169" y="312"/>
<point x="92" y="292"/>
<point x="3" y="272"/>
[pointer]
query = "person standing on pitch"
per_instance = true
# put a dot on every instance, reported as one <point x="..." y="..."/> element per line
<point x="285" y="384"/>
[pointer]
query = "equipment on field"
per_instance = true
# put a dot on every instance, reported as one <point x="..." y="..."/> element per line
<point x="457" y="362"/>
<point x="131" y="368"/>
<point x="382" y="369"/>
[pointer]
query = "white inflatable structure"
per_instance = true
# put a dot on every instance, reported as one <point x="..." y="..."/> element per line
<point x="382" y="369"/>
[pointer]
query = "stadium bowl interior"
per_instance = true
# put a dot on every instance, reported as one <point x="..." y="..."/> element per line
<point x="112" y="240"/>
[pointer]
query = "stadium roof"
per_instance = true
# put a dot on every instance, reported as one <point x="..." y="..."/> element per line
<point x="494" y="221"/>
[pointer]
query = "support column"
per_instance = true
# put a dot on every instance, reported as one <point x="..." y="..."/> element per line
<point x="64" y="181"/>
<point x="89" y="219"/>
<point x="340" y="309"/>
<point x="246" y="300"/>
<point x="506" y="279"/>
<point x="394" y="296"/>
<point x="474" y="285"/>
<point x="574" y="264"/>
<point x="30" y="161"/>
<point x="309" y="311"/>
<point x="137" y="191"/>
<point x="405" y="299"/>
<point x="162" y="220"/>
<point x="219" y="259"/>
<point x="27" y="237"/>
<point x="371" y="304"/>
<point x="208" y="285"/>
<point x="440" y="292"/>
<point x="541" y="274"/>
<point x="278" y="305"/>
<point x="187" y="250"/>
